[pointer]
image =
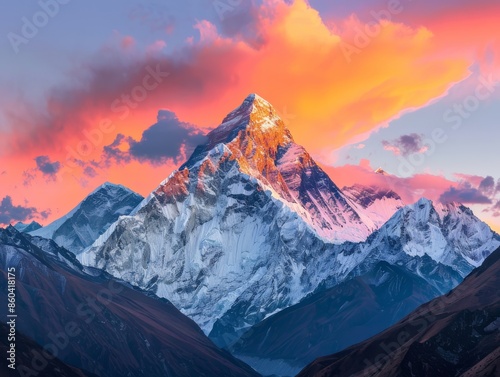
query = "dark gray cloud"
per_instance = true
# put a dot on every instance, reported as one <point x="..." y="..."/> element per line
<point x="242" y="21"/>
<point x="487" y="186"/>
<point x="164" y="140"/>
<point x="113" y="153"/>
<point x="405" y="144"/>
<point x="47" y="167"/>
<point x="495" y="210"/>
<point x="465" y="195"/>
<point x="90" y="172"/>
<point x="10" y="213"/>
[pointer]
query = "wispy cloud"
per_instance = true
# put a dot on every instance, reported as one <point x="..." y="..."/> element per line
<point x="405" y="145"/>
<point x="465" y="195"/>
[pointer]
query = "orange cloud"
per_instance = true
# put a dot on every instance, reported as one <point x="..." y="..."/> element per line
<point x="410" y="189"/>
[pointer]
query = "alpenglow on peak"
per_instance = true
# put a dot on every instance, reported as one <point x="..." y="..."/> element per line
<point x="255" y="124"/>
<point x="254" y="111"/>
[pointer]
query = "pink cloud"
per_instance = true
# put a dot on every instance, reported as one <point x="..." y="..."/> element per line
<point x="128" y="42"/>
<point x="410" y="189"/>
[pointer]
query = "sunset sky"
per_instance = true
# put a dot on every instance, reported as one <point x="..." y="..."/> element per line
<point x="408" y="86"/>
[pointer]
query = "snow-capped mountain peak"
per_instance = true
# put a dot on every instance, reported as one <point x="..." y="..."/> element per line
<point x="256" y="138"/>
<point x="248" y="201"/>
<point x="375" y="203"/>
<point x="255" y="107"/>
<point x="80" y="227"/>
<point x="450" y="234"/>
<point x="111" y="187"/>
<point x="252" y="131"/>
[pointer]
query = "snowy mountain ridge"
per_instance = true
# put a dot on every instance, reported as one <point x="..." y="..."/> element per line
<point x="26" y="228"/>
<point x="80" y="227"/>
<point x="448" y="234"/>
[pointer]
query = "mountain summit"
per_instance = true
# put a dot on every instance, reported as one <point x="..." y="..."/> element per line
<point x="254" y="128"/>
<point x="26" y="228"/>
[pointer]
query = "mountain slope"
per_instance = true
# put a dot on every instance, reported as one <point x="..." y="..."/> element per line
<point x="101" y="325"/>
<point x="453" y="335"/>
<point x="435" y="244"/>
<point x="239" y="231"/>
<point x="332" y="320"/>
<point x="441" y="243"/>
<point x="28" y="359"/>
<point x="85" y="223"/>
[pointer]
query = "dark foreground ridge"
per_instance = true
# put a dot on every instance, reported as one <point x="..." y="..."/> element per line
<point x="456" y="335"/>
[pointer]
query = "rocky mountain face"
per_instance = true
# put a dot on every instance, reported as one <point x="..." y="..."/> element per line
<point x="376" y="203"/>
<point x="455" y="335"/>
<point x="95" y="323"/>
<point x="84" y="224"/>
<point x="249" y="201"/>
<point x="256" y="138"/>
<point x="250" y="225"/>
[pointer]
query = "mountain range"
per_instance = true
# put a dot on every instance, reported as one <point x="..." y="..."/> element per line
<point x="423" y="251"/>
<point x="332" y="320"/>
<point x="248" y="246"/>
<point x="251" y="225"/>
